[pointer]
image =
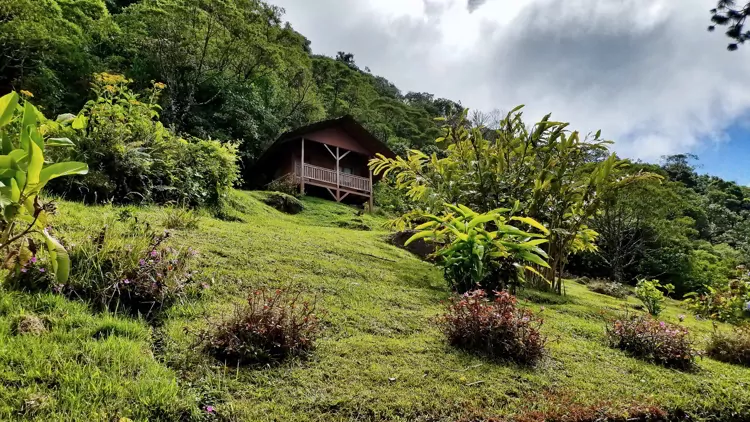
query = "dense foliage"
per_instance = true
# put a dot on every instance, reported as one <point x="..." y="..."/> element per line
<point x="495" y="327"/>
<point x="132" y="157"/>
<point x="233" y="69"/>
<point x="732" y="347"/>
<point x="728" y="13"/>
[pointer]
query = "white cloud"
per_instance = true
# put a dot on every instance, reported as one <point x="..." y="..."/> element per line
<point x="646" y="72"/>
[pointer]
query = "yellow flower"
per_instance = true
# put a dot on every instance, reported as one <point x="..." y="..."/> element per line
<point x="160" y="85"/>
<point x="27" y="93"/>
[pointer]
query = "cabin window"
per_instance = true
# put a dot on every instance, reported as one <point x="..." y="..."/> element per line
<point x="346" y="170"/>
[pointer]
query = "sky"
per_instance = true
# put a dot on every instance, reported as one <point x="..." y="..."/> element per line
<point x="645" y="72"/>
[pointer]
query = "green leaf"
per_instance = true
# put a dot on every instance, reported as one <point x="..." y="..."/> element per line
<point x="62" y="169"/>
<point x="59" y="256"/>
<point x="420" y="235"/>
<point x="59" y="142"/>
<point x="8" y="104"/>
<point x="530" y="221"/>
<point x="79" y="122"/>
<point x="481" y="220"/>
<point x="36" y="161"/>
<point x="531" y="257"/>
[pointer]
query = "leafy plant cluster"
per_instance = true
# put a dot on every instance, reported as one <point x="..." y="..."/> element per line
<point x="476" y="256"/>
<point x="648" y="292"/>
<point x="657" y="341"/>
<point x="23" y="175"/>
<point x="555" y="176"/>
<point x="727" y="302"/>
<point x="132" y="157"/>
<point x="609" y="288"/>
<point x="495" y="327"/>
<point x="272" y="326"/>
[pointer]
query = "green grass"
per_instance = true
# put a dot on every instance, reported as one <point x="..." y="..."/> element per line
<point x="380" y="356"/>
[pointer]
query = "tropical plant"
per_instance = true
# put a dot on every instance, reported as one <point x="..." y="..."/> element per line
<point x="556" y="176"/>
<point x="473" y="254"/>
<point x="726" y="302"/>
<point x="648" y="291"/>
<point x="23" y="175"/>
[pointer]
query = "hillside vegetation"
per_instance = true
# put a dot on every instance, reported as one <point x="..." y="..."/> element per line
<point x="380" y="356"/>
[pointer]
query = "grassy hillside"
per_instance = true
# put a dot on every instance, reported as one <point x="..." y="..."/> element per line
<point x="380" y="356"/>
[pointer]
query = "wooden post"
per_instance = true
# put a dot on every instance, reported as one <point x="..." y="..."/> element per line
<point x="302" y="170"/>
<point x="371" y="189"/>
<point x="338" y="184"/>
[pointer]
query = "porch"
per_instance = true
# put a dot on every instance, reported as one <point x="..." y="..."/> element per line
<point x="339" y="185"/>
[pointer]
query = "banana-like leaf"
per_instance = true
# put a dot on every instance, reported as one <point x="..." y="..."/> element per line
<point x="533" y="223"/>
<point x="59" y="142"/>
<point x="36" y="161"/>
<point x="531" y="257"/>
<point x="533" y="270"/>
<point x="426" y="225"/>
<point x="420" y="235"/>
<point x="8" y="104"/>
<point x="62" y="169"/>
<point x="480" y="220"/>
<point x="59" y="256"/>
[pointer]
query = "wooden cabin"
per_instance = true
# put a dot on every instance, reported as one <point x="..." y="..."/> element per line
<point x="326" y="159"/>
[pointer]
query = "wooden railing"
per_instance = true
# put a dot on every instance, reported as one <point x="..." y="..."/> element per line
<point x="328" y="176"/>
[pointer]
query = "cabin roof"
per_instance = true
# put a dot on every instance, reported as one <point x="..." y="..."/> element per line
<point x="346" y="123"/>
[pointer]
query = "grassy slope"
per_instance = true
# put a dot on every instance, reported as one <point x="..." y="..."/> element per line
<point x="380" y="357"/>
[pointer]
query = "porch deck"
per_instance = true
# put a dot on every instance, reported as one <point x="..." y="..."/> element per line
<point x="345" y="183"/>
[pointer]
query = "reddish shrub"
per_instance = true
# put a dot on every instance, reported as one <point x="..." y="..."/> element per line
<point x="271" y="327"/>
<point x="657" y="341"/>
<point x="495" y="328"/>
<point x="731" y="348"/>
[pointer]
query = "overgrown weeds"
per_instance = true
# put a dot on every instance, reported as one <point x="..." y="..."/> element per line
<point x="733" y="347"/>
<point x="129" y="266"/>
<point x="180" y="218"/>
<point x="496" y="328"/>
<point x="609" y="288"/>
<point x="272" y="326"/>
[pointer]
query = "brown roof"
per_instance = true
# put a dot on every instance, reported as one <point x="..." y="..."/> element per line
<point x="346" y="123"/>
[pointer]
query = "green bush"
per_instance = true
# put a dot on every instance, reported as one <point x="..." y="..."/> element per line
<point x="653" y="299"/>
<point x="133" y="158"/>
<point x="656" y="341"/>
<point x="609" y="288"/>
<point x="724" y="301"/>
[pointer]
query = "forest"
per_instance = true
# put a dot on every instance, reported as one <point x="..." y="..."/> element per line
<point x="127" y="111"/>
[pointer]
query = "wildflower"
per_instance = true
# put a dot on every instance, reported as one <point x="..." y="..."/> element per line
<point x="126" y="281"/>
<point x="27" y="93"/>
<point x="41" y="270"/>
<point x="209" y="409"/>
<point x="160" y="85"/>
<point x="142" y="262"/>
<point x="154" y="254"/>
<point x="23" y="270"/>
<point x="33" y="260"/>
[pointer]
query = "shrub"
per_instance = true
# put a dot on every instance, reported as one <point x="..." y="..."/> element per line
<point x="180" y="218"/>
<point x="285" y="184"/>
<point x="656" y="341"/>
<point x="653" y="299"/>
<point x="727" y="303"/>
<point x="284" y="203"/>
<point x="732" y="348"/>
<point x="609" y="288"/>
<point x="496" y="328"/>
<point x="271" y="327"/>
<point x="127" y="265"/>
<point x="133" y="158"/>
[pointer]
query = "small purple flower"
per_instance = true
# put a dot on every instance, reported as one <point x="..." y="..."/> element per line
<point x="23" y="270"/>
<point x="41" y="270"/>
<point x="209" y="409"/>
<point x="142" y="262"/>
<point x="33" y="260"/>
<point x="662" y="324"/>
<point x="126" y="281"/>
<point x="154" y="254"/>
